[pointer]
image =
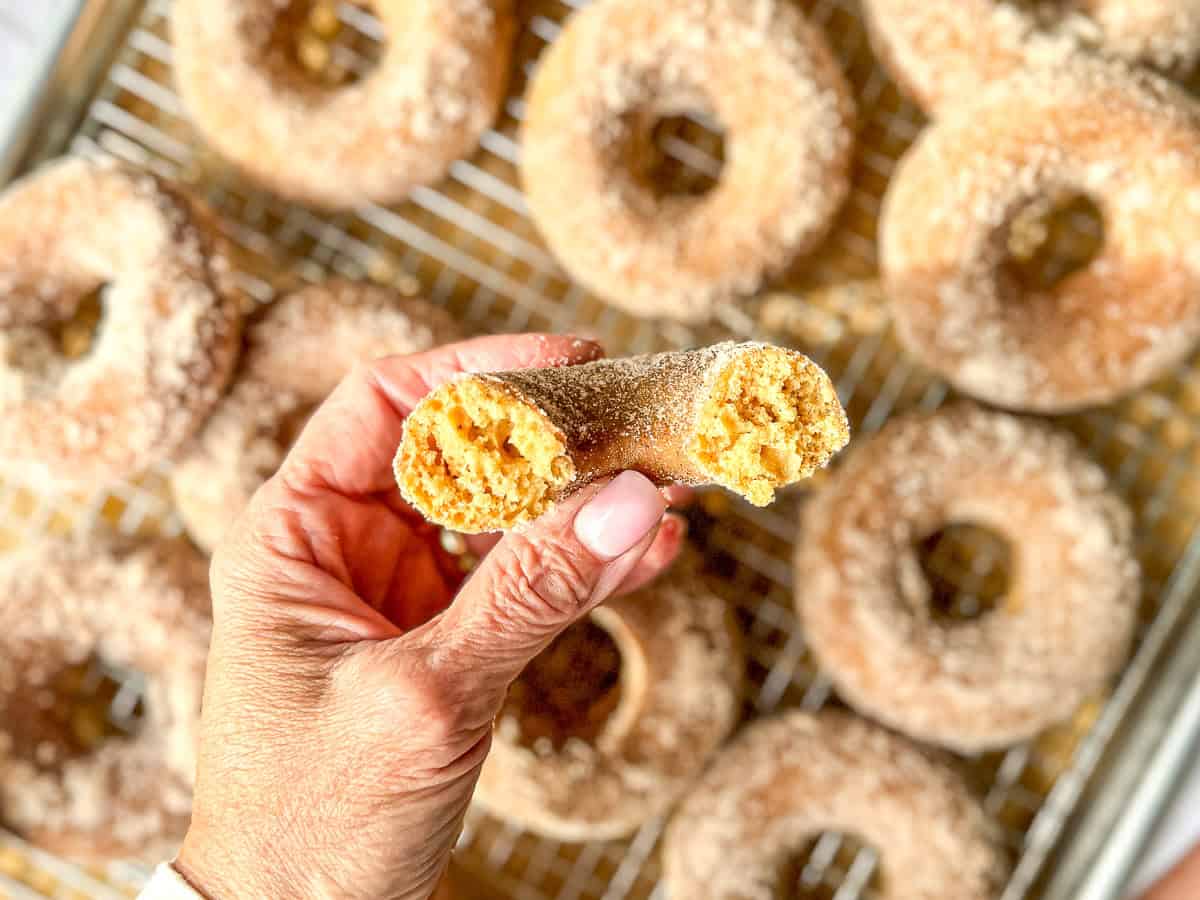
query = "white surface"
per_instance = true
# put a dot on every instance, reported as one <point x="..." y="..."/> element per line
<point x="1178" y="832"/>
<point x="30" y="33"/>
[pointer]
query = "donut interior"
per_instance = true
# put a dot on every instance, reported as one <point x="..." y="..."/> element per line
<point x="477" y="456"/>
<point x="770" y="418"/>
<point x="569" y="691"/>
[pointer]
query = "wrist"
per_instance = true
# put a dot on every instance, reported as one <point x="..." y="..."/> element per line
<point x="218" y="872"/>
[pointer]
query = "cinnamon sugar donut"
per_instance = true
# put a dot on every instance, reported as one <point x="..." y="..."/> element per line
<point x="619" y="66"/>
<point x="166" y="343"/>
<point x="488" y="452"/>
<point x="681" y="672"/>
<point x="296" y="353"/>
<point x="786" y="780"/>
<point x="435" y="91"/>
<point x="1127" y="316"/>
<point x="1060" y="633"/>
<point x="138" y="607"/>
<point x="942" y="51"/>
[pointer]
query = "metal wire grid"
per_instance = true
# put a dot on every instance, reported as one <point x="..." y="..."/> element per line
<point x="468" y="245"/>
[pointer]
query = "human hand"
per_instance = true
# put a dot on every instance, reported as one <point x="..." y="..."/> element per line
<point x="1181" y="883"/>
<point x="349" y="703"/>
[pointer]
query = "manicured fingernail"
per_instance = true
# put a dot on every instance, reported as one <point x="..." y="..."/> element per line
<point x="620" y="515"/>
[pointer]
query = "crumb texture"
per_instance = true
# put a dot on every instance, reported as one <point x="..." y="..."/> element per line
<point x="475" y="457"/>
<point x="786" y="780"/>
<point x="681" y="675"/>
<point x="491" y="451"/>
<point x="1052" y="642"/>
<point x="771" y="417"/>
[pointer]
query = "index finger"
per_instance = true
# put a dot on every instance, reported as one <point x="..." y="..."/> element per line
<point x="348" y="444"/>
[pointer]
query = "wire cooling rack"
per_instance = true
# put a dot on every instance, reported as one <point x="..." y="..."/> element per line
<point x="468" y="244"/>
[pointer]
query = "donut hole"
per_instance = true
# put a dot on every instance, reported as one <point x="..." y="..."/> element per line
<point x="823" y="868"/>
<point x="679" y="156"/>
<point x="569" y="691"/>
<point x="967" y="568"/>
<point x="476" y="457"/>
<point x="324" y="44"/>
<point x="71" y="710"/>
<point x="771" y="418"/>
<point x="1049" y="238"/>
<point x="75" y="335"/>
<point x="41" y="353"/>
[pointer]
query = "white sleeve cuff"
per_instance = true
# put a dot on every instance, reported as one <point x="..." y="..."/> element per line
<point x="167" y="884"/>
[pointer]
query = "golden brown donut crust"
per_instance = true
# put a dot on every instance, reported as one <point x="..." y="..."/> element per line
<point x="296" y="353"/>
<point x="437" y="88"/>
<point x="786" y="780"/>
<point x="1060" y="633"/>
<point x="165" y="346"/>
<point x="762" y="70"/>
<point x="1128" y="315"/>
<point x="682" y="671"/>
<point x="142" y="607"/>
<point x="488" y="452"/>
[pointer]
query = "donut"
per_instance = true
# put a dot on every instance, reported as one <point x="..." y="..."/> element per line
<point x="141" y="607"/>
<point x="489" y="452"/>
<point x="677" y="698"/>
<point x="1127" y="316"/>
<point x="1060" y="633"/>
<point x="944" y="51"/>
<point x="164" y="348"/>
<point x="435" y="91"/>
<point x="618" y="67"/>
<point x="786" y="780"/>
<point x="296" y="353"/>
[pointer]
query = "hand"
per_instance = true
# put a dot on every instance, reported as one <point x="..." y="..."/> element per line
<point x="1181" y="883"/>
<point x="349" y="702"/>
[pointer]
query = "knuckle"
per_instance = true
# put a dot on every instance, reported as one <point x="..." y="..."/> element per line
<point x="540" y="585"/>
<point x="426" y="709"/>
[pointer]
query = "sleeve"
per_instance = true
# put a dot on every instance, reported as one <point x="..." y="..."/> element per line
<point x="167" y="884"/>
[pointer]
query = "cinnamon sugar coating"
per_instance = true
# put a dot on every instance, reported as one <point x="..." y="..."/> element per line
<point x="619" y="66"/>
<point x="944" y="51"/>
<point x="488" y="452"/>
<point x="1061" y="631"/>
<point x="1128" y="315"/>
<point x="296" y="353"/>
<point x="435" y="91"/>
<point x="166" y="343"/>
<point x="681" y="672"/>
<point x="786" y="780"/>
<point x="140" y="607"/>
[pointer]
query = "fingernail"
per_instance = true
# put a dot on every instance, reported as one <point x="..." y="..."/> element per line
<point x="620" y="515"/>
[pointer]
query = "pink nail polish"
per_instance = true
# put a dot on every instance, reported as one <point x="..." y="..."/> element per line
<point x="620" y="515"/>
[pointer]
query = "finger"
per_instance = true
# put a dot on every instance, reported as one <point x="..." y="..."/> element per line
<point x="679" y="496"/>
<point x="348" y="444"/>
<point x="661" y="556"/>
<point x="538" y="581"/>
<point x="1181" y="883"/>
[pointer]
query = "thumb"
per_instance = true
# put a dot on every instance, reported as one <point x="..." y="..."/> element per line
<point x="539" y="580"/>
